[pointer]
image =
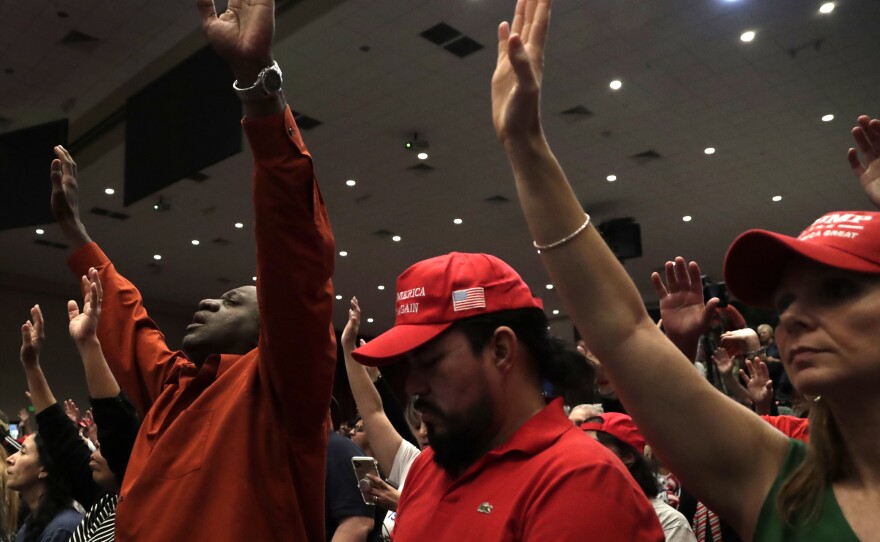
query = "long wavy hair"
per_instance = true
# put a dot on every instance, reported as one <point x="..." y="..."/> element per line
<point x="55" y="499"/>
<point x="799" y="501"/>
<point x="8" y="504"/>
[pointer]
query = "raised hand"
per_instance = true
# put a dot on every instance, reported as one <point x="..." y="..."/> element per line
<point x="242" y="34"/>
<point x="83" y="325"/>
<point x="32" y="338"/>
<point x="758" y="384"/>
<point x="72" y="411"/>
<point x="740" y="341"/>
<point x="684" y="313"/>
<point x="516" y="83"/>
<point x="349" y="334"/>
<point x="722" y="361"/>
<point x="65" y="197"/>
<point x="867" y="137"/>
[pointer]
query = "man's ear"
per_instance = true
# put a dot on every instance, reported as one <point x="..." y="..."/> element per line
<point x="504" y="347"/>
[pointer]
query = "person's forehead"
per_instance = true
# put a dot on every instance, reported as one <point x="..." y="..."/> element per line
<point x="246" y="291"/>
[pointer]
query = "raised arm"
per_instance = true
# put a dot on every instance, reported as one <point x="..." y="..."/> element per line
<point x="867" y="137"/>
<point x="295" y="248"/>
<point x="83" y="328"/>
<point x="68" y="450"/>
<point x="384" y="440"/>
<point x="131" y="341"/>
<point x="721" y="450"/>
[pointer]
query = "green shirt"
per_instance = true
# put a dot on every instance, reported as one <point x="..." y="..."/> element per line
<point x="831" y="525"/>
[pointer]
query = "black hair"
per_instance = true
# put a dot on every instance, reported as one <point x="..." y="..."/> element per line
<point x="56" y="498"/>
<point x="569" y="373"/>
<point x="642" y="470"/>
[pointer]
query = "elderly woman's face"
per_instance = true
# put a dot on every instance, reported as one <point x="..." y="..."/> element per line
<point x="829" y="329"/>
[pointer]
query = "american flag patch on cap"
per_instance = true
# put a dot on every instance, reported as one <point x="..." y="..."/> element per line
<point x="472" y="298"/>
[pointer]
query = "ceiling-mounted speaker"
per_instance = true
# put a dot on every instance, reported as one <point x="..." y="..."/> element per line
<point x="623" y="236"/>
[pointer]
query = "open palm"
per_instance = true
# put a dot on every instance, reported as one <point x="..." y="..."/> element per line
<point x="83" y="325"/>
<point x="516" y="83"/>
<point x="867" y="137"/>
<point x="242" y="34"/>
<point x="682" y="308"/>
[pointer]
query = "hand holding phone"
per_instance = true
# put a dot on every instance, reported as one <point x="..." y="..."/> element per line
<point x="364" y="465"/>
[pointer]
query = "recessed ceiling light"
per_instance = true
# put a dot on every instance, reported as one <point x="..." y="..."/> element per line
<point x="255" y="279"/>
<point x="239" y="225"/>
<point x="422" y="156"/>
<point x="555" y="311"/>
<point x="687" y="218"/>
<point x="827" y="118"/>
<point x="338" y="296"/>
<point x="777" y="198"/>
<point x="195" y="242"/>
<point x="157" y="256"/>
<point x="343" y="253"/>
<point x="396" y="238"/>
<point x="381" y="287"/>
<point x="350" y="182"/>
<point x="457" y="221"/>
<point x="827" y="7"/>
<point x="40" y="231"/>
<point x="369" y="320"/>
<point x="611" y="178"/>
<point x="747" y="36"/>
<point x="709" y="150"/>
<point x="615" y="85"/>
<point x="549" y="286"/>
<point x="109" y="191"/>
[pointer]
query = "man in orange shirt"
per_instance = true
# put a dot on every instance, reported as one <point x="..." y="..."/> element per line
<point x="252" y="385"/>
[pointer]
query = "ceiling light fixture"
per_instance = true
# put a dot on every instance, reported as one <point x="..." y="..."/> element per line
<point x="555" y="311"/>
<point x="40" y="231"/>
<point x="827" y="118"/>
<point x="239" y="225"/>
<point x="747" y="36"/>
<point x="255" y="279"/>
<point x="369" y="320"/>
<point x="343" y="253"/>
<point x="615" y="85"/>
<point x="826" y="8"/>
<point x="709" y="150"/>
<point x="338" y="296"/>
<point x="195" y="242"/>
<point x="687" y="218"/>
<point x="350" y="182"/>
<point x="457" y="221"/>
<point x="161" y="205"/>
<point x="396" y="238"/>
<point x="422" y="156"/>
<point x="549" y="286"/>
<point x="611" y="178"/>
<point x="777" y="198"/>
<point x="109" y="191"/>
<point x="381" y="287"/>
<point x="157" y="256"/>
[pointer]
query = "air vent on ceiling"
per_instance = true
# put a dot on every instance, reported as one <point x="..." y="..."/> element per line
<point x="221" y="242"/>
<point x="109" y="214"/>
<point x="305" y="122"/>
<point x="382" y="233"/>
<point x="643" y="158"/>
<point x="81" y="41"/>
<point x="198" y="176"/>
<point x="577" y="111"/>
<point x="155" y="268"/>
<point x="463" y="47"/>
<point x="53" y="244"/>
<point x="440" y="33"/>
<point x="421" y="168"/>
<point x="363" y="198"/>
<point x="497" y="199"/>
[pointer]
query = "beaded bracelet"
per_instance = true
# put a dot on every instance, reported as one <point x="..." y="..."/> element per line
<point x="565" y="239"/>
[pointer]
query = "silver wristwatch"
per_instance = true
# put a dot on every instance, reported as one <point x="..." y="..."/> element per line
<point x="268" y="83"/>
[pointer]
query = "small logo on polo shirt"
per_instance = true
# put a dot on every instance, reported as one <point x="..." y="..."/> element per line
<point x="485" y="508"/>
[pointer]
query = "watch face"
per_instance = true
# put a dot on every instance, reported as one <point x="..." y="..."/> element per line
<point x="272" y="81"/>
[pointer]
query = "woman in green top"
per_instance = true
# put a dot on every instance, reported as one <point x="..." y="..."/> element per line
<point x="826" y="287"/>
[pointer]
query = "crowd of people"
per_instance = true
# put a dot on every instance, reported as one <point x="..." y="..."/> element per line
<point x="702" y="426"/>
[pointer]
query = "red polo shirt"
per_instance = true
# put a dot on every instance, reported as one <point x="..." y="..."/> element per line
<point x="549" y="482"/>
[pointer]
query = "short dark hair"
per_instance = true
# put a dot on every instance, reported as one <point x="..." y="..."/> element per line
<point x="642" y="470"/>
<point x="569" y="373"/>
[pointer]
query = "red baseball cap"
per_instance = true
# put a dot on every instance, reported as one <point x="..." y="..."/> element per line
<point x="619" y="426"/>
<point x="435" y="293"/>
<point x="755" y="261"/>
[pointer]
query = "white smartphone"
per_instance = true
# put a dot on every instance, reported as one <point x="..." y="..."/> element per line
<point x="364" y="465"/>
